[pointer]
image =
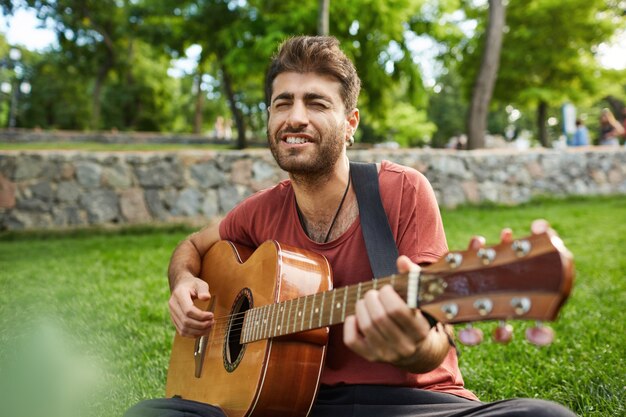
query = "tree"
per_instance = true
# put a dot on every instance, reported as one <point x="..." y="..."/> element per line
<point x="322" y="17"/>
<point x="486" y="78"/>
<point x="548" y="53"/>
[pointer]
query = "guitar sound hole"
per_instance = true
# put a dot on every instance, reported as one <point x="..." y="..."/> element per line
<point x="233" y="348"/>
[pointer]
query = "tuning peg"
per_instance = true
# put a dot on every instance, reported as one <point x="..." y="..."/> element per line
<point x="540" y="335"/>
<point x="503" y="333"/>
<point x="471" y="336"/>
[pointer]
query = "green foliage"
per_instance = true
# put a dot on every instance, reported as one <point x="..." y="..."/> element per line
<point x="447" y="109"/>
<point x="58" y="97"/>
<point x="110" y="67"/>
<point x="143" y="96"/>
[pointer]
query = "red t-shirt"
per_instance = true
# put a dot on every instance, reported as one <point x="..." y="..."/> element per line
<point x="415" y="221"/>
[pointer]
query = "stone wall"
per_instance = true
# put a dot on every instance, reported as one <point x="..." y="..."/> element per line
<point x="63" y="189"/>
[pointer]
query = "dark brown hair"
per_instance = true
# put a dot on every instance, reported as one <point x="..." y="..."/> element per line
<point x="318" y="54"/>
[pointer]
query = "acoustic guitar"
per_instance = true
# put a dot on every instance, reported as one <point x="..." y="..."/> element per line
<point x="273" y="306"/>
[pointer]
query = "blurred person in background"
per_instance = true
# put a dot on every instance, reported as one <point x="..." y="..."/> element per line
<point x="581" y="135"/>
<point x="610" y="129"/>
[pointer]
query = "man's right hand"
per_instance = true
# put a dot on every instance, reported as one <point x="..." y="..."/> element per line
<point x="191" y="320"/>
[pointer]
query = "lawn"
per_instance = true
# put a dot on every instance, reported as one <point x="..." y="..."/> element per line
<point x="84" y="327"/>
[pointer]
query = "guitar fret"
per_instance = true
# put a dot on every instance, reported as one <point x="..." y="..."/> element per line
<point x="266" y="321"/>
<point x="321" y="309"/>
<point x="298" y="314"/>
<point x="248" y="325"/>
<point x="345" y="300"/>
<point x="312" y="310"/>
<point x="255" y="318"/>
<point x="244" y="328"/>
<point x="332" y="308"/>
<point x="258" y="323"/>
<point x="303" y="314"/>
<point x="281" y="310"/>
<point x="288" y="315"/>
<point x="254" y="325"/>
<point x="273" y="320"/>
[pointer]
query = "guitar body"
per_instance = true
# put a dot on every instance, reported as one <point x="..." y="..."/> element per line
<point x="276" y="376"/>
<point x="273" y="305"/>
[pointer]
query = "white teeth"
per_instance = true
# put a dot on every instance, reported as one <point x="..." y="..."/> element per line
<point x="294" y="140"/>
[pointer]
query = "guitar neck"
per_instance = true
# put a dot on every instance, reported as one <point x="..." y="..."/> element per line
<point x="312" y="311"/>
<point x="527" y="279"/>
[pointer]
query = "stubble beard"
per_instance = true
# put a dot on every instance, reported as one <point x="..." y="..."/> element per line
<point x="318" y="166"/>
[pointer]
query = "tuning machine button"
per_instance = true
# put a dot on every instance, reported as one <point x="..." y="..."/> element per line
<point x="471" y="336"/>
<point x="486" y="255"/>
<point x="454" y="259"/>
<point x="521" y="248"/>
<point x="540" y="335"/>
<point x="450" y="310"/>
<point x="521" y="305"/>
<point x="484" y="306"/>
<point x="503" y="333"/>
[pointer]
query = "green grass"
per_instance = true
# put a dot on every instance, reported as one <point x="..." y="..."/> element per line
<point x="99" y="298"/>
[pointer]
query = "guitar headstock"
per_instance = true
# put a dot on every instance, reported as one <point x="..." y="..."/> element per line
<point x="524" y="279"/>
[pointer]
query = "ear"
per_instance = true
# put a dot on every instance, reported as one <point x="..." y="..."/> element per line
<point x="352" y="120"/>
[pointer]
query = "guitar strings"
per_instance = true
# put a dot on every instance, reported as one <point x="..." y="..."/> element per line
<point x="237" y="321"/>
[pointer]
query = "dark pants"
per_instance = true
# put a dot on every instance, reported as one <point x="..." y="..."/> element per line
<point x="373" y="401"/>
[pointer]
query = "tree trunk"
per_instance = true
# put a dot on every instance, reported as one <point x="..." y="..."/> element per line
<point x="240" y="124"/>
<point x="199" y="105"/>
<point x="542" y="130"/>
<point x="486" y="78"/>
<point x="97" y="93"/>
<point x="322" y="17"/>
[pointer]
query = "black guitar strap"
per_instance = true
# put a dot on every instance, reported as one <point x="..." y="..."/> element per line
<point x="379" y="241"/>
<point x="381" y="246"/>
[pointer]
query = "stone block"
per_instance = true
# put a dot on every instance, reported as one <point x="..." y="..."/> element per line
<point x="133" y="206"/>
<point x="7" y="192"/>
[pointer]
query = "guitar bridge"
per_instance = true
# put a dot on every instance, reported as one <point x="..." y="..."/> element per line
<point x="200" y="348"/>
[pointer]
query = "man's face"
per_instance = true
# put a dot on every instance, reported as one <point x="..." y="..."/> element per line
<point x="308" y="125"/>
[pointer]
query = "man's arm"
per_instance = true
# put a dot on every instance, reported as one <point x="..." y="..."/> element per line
<point x="185" y="286"/>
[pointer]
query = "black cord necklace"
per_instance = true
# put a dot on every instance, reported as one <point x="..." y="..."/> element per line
<point x="330" y="228"/>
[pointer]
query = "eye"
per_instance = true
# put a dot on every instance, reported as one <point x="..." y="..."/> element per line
<point x="318" y="105"/>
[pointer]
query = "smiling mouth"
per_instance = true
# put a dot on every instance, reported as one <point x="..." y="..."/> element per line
<point x="295" y="140"/>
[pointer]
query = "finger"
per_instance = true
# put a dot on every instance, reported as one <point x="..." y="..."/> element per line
<point x="354" y="340"/>
<point x="186" y="325"/>
<point x="412" y="325"/>
<point x="386" y="336"/>
<point x="476" y="242"/>
<point x="202" y="290"/>
<point x="405" y="264"/>
<point x="185" y="295"/>
<point x="364" y="319"/>
<point x="506" y="235"/>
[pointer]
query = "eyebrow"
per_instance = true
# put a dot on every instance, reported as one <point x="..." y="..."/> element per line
<point x="307" y="97"/>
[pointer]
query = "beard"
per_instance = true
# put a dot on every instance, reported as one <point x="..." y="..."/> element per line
<point x="310" y="166"/>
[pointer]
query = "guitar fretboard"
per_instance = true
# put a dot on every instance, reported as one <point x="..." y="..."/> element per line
<point x="312" y="311"/>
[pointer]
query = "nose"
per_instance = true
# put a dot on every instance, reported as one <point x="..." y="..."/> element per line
<point x="297" y="117"/>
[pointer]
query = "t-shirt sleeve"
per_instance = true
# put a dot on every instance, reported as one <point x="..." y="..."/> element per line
<point x="237" y="225"/>
<point x="414" y="214"/>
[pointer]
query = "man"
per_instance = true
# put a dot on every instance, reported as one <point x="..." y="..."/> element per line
<point x="581" y="135"/>
<point x="386" y="359"/>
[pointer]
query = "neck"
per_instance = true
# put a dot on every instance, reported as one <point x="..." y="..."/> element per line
<point x="314" y="192"/>
<point x="321" y="202"/>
